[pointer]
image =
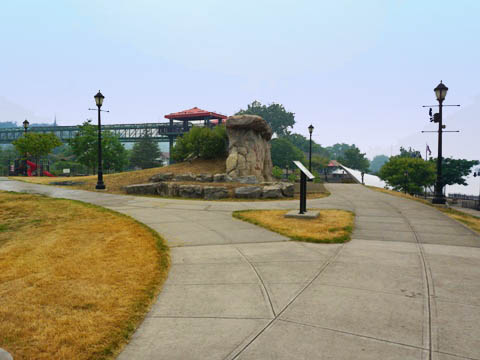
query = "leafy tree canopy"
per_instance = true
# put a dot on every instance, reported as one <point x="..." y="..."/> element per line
<point x="412" y="153"/>
<point x="454" y="171"/>
<point x="37" y="144"/>
<point x="284" y="153"/>
<point x="353" y="158"/>
<point x="85" y="147"/>
<point x="303" y="144"/>
<point x="145" y="153"/>
<point x="408" y="174"/>
<point x="274" y="114"/>
<point x="201" y="142"/>
<point x="337" y="151"/>
<point x="319" y="162"/>
<point x="377" y="163"/>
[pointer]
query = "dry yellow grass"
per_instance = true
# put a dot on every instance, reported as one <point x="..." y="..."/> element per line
<point x="332" y="226"/>
<point x="75" y="279"/>
<point x="470" y="221"/>
<point x="115" y="182"/>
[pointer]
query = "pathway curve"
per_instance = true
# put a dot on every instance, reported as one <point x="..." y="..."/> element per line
<point x="406" y="287"/>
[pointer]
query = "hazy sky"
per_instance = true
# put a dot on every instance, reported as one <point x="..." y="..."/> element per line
<point x="359" y="71"/>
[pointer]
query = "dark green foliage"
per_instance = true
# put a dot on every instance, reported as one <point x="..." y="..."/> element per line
<point x="284" y="153"/>
<point x="421" y="173"/>
<point x="201" y="142"/>
<point x="145" y="153"/>
<point x="277" y="172"/>
<point x="412" y="153"/>
<point x="274" y="114"/>
<point x="7" y="155"/>
<point x="303" y="144"/>
<point x="354" y="159"/>
<point x="337" y="151"/>
<point x="36" y="145"/>
<point x="85" y="147"/>
<point x="455" y="170"/>
<point x="377" y="163"/>
<point x="319" y="162"/>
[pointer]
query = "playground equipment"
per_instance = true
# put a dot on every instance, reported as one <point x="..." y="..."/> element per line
<point x="27" y="168"/>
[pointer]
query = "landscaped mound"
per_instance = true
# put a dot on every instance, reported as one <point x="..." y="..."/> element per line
<point x="332" y="226"/>
<point x="75" y="279"/>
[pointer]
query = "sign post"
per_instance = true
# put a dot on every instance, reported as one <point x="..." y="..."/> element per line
<point x="304" y="173"/>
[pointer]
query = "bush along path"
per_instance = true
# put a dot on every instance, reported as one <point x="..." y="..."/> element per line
<point x="405" y="286"/>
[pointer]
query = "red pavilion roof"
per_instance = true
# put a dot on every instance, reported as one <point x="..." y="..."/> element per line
<point x="333" y="163"/>
<point x="194" y="114"/>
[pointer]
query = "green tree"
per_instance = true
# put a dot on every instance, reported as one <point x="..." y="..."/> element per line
<point x="284" y="152"/>
<point x="85" y="147"/>
<point x="277" y="172"/>
<point x="377" y="163"/>
<point x="454" y="171"/>
<point x="36" y="144"/>
<point x="408" y="174"/>
<point x="201" y="142"/>
<point x="354" y="159"/>
<point x="303" y="144"/>
<point x="145" y="153"/>
<point x="319" y="162"/>
<point x="274" y="114"/>
<point x="409" y="153"/>
<point x="337" y="151"/>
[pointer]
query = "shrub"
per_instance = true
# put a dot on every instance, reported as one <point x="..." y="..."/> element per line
<point x="201" y="142"/>
<point x="292" y="177"/>
<point x="277" y="172"/>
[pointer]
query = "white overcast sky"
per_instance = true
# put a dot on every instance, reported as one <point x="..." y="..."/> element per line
<point x="359" y="71"/>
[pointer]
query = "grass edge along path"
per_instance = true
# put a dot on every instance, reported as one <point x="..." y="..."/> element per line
<point x="332" y="226"/>
<point x="109" y="344"/>
<point x="467" y="220"/>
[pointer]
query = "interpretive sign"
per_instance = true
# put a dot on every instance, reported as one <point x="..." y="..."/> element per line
<point x="304" y="173"/>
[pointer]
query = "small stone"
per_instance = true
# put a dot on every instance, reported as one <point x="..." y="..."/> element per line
<point x="215" y="192"/>
<point x="272" y="192"/>
<point x="248" y="192"/>
<point x="204" y="178"/>
<point x="222" y="178"/>
<point x="250" y="179"/>
<point x="288" y="189"/>
<point x="190" y="191"/>
<point x="184" y="177"/>
<point x="161" y="177"/>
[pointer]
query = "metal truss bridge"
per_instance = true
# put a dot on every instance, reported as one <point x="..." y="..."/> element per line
<point x="161" y="132"/>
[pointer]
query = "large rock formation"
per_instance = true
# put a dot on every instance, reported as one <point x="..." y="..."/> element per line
<point x="249" y="147"/>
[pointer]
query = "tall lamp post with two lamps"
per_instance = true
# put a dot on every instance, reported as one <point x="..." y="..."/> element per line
<point x="25" y="127"/>
<point x="440" y="93"/>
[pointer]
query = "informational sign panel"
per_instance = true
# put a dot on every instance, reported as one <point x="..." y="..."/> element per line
<point x="304" y="170"/>
<point x="66" y="171"/>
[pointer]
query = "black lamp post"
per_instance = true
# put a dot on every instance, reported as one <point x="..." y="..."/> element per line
<point x="475" y="174"/>
<point x="25" y="126"/>
<point x="440" y="93"/>
<point x="310" y="130"/>
<point x="99" y="101"/>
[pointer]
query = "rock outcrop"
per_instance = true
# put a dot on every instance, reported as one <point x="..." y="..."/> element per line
<point x="249" y="147"/>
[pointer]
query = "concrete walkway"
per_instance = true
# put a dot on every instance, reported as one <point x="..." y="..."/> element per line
<point x="406" y="287"/>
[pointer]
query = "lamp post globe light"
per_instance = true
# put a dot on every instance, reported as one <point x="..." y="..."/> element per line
<point x="440" y="93"/>
<point x="25" y="126"/>
<point x="99" y="101"/>
<point x="310" y="130"/>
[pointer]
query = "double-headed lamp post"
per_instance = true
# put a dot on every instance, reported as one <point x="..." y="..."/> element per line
<point x="440" y="93"/>
<point x="99" y="101"/>
<point x="25" y="126"/>
<point x="310" y="130"/>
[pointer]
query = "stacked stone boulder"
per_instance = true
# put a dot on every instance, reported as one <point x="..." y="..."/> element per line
<point x="169" y="185"/>
<point x="249" y="147"/>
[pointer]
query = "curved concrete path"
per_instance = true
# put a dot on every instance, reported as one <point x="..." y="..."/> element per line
<point x="406" y="287"/>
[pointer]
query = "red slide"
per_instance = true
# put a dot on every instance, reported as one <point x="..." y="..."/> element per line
<point x="32" y="168"/>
